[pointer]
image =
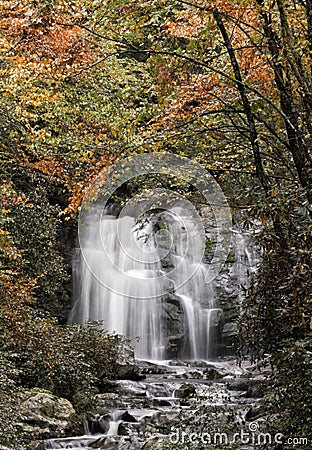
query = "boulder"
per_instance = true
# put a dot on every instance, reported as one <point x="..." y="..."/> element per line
<point x="148" y="368"/>
<point x="185" y="391"/>
<point x="126" y="367"/>
<point x="97" y="423"/>
<point x="213" y="374"/>
<point x="256" y="412"/>
<point x="44" y="415"/>
<point x="127" y="417"/>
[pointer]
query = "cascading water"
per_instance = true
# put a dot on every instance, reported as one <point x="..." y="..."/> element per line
<point x="117" y="283"/>
<point x="125" y="272"/>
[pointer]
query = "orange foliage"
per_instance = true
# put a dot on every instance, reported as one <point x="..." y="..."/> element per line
<point x="186" y="24"/>
<point x="44" y="43"/>
<point x="210" y="90"/>
<point x="57" y="170"/>
<point x="80" y="188"/>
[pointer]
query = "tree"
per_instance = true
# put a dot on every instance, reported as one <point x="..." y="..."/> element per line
<point x="233" y="85"/>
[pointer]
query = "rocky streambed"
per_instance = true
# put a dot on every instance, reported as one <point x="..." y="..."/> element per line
<point x="173" y="405"/>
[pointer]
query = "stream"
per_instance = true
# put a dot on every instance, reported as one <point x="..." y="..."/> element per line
<point x="176" y="402"/>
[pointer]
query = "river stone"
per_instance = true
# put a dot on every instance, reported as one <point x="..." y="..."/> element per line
<point x="212" y="374"/>
<point x="147" y="367"/>
<point x="129" y="428"/>
<point x="194" y="374"/>
<point x="97" y="423"/>
<point x="185" y="391"/>
<point x="256" y="412"/>
<point x="45" y="415"/>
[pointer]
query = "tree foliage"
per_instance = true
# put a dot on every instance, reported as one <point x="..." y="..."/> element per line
<point x="227" y="83"/>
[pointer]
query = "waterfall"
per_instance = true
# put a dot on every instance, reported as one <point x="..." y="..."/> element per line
<point x="247" y="258"/>
<point x="117" y="283"/>
<point x="146" y="280"/>
<point x="125" y="273"/>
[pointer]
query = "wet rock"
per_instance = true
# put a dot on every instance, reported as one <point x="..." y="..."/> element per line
<point x="128" y="387"/>
<point x="175" y="300"/>
<point x="185" y="391"/>
<point x="104" y="402"/>
<point x="70" y="442"/>
<point x="252" y="388"/>
<point x="126" y="366"/>
<point x="230" y="330"/>
<point x="216" y="317"/>
<point x="213" y="374"/>
<point x="193" y="374"/>
<point x="178" y="362"/>
<point x="158" y="390"/>
<point x="149" y="368"/>
<point x="168" y="284"/>
<point x="127" y="417"/>
<point x="256" y="412"/>
<point x="118" y="443"/>
<point x="167" y="263"/>
<point x="144" y="415"/>
<point x="97" y="423"/>
<point x="126" y="429"/>
<point x="161" y="402"/>
<point x="174" y="344"/>
<point x="114" y="401"/>
<point x="105" y="443"/>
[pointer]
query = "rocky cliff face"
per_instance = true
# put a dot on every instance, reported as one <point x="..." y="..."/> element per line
<point x="228" y="290"/>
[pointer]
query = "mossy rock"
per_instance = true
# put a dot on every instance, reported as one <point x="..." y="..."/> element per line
<point x="44" y="415"/>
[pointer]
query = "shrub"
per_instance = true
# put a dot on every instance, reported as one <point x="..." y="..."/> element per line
<point x="8" y="402"/>
<point x="69" y="360"/>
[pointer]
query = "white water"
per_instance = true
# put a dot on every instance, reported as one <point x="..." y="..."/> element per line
<point x="116" y="281"/>
<point x="119" y="278"/>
